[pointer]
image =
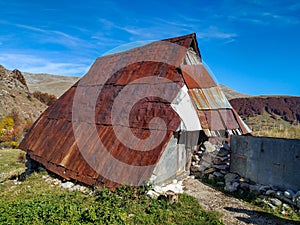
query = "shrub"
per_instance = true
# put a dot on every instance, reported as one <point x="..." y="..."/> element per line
<point x="6" y="128"/>
<point x="44" y="97"/>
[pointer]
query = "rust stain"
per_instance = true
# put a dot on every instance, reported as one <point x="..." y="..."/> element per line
<point x="196" y="76"/>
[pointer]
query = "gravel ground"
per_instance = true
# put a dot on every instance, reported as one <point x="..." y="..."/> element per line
<point x="233" y="210"/>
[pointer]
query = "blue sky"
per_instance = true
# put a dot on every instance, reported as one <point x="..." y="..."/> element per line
<point x="252" y="46"/>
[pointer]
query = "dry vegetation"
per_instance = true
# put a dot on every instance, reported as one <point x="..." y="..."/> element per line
<point x="266" y="125"/>
<point x="44" y="97"/>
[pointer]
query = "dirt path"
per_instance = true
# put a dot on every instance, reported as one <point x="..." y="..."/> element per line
<point x="234" y="211"/>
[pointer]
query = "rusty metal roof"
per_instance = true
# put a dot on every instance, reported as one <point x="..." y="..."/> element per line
<point x="115" y="82"/>
<point x="209" y="98"/>
<point x="196" y="76"/>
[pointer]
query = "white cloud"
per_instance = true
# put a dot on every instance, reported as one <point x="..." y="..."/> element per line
<point x="215" y="32"/>
<point x="57" y="37"/>
<point x="31" y="28"/>
<point x="34" y="64"/>
<point x="262" y="12"/>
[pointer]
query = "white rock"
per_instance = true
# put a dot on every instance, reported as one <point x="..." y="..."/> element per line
<point x="67" y="185"/>
<point x="275" y="201"/>
<point x="196" y="158"/>
<point x="153" y="194"/>
<point x="209" y="146"/>
<point x="77" y="188"/>
<point x="289" y="194"/>
<point x="271" y="206"/>
<point x="176" y="187"/>
<point x="286" y="206"/>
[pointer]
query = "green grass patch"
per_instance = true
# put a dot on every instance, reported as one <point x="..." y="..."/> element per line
<point x="35" y="201"/>
<point x="11" y="162"/>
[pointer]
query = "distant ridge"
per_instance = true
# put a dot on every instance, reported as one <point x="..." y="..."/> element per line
<point x="287" y="107"/>
<point x="49" y="83"/>
<point x="232" y="94"/>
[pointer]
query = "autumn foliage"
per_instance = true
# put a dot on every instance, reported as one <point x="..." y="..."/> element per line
<point x="12" y="129"/>
<point x="45" y="97"/>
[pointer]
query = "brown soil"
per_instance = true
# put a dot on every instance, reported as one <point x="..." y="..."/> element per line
<point x="233" y="210"/>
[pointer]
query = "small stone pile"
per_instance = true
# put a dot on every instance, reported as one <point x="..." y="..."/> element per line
<point x="66" y="185"/>
<point x="170" y="191"/>
<point x="272" y="196"/>
<point x="211" y="161"/>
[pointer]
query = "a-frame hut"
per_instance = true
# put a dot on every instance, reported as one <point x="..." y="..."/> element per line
<point x="135" y="117"/>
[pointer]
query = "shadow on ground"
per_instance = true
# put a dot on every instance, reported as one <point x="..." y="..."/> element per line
<point x="274" y="220"/>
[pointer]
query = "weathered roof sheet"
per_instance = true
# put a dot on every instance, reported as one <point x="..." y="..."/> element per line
<point x="209" y="98"/>
<point x="196" y="76"/>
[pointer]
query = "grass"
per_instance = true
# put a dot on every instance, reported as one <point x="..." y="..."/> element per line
<point x="35" y="201"/>
<point x="10" y="161"/>
<point x="273" y="126"/>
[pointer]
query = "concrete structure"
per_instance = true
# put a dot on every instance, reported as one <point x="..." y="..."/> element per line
<point x="268" y="161"/>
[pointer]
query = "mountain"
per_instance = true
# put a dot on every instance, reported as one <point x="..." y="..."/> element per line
<point x="48" y="83"/>
<point x="286" y="107"/>
<point x="232" y="94"/>
<point x="15" y="96"/>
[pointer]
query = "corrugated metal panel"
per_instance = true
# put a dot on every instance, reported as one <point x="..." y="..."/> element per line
<point x="209" y="98"/>
<point x="229" y="119"/>
<point x="203" y="120"/>
<point x="245" y="129"/>
<point x="196" y="76"/>
<point x="214" y="120"/>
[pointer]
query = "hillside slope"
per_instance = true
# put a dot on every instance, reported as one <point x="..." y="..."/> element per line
<point x="286" y="107"/>
<point x="48" y="83"/>
<point x="15" y="96"/>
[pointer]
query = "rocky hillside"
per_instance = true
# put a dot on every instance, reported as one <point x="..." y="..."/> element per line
<point x="286" y="107"/>
<point x="15" y="96"/>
